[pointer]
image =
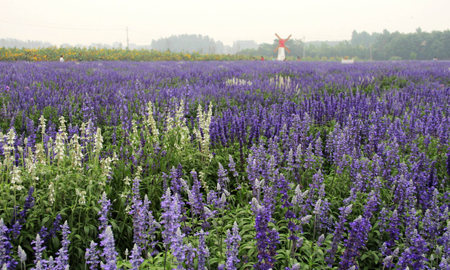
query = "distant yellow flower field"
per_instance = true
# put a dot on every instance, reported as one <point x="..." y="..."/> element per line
<point x="94" y="54"/>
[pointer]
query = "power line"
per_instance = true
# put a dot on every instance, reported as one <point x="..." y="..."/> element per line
<point x="57" y="24"/>
<point x="258" y="39"/>
<point x="151" y="33"/>
<point x="60" y="27"/>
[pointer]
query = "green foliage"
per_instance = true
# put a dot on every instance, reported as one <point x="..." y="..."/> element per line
<point x="381" y="46"/>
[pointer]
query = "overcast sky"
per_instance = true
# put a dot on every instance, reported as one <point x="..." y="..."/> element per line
<point x="88" y="21"/>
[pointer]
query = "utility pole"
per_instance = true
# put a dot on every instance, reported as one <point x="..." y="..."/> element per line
<point x="304" y="46"/>
<point x="127" y="39"/>
<point x="370" y="51"/>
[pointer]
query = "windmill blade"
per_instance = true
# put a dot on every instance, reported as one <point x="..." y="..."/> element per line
<point x="277" y="36"/>
<point x="276" y="49"/>
<point x="287" y="50"/>
<point x="288" y="38"/>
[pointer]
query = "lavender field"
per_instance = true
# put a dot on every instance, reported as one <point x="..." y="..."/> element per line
<point x="224" y="165"/>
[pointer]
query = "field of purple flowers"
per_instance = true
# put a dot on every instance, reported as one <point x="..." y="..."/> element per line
<point x="224" y="165"/>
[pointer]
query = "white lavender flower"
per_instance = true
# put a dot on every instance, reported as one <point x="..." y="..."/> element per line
<point x="306" y="219"/>
<point x="22" y="254"/>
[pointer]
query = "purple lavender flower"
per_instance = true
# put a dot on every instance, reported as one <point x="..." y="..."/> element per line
<point x="178" y="249"/>
<point x="414" y="254"/>
<point x="232" y="166"/>
<point x="135" y="188"/>
<point x="309" y="157"/>
<point x="382" y="219"/>
<point x="91" y="256"/>
<point x="316" y="192"/>
<point x="5" y="247"/>
<point x="294" y="267"/>
<point x="38" y="249"/>
<point x="283" y="188"/>
<point x="135" y="258"/>
<point x="389" y="255"/>
<point x="393" y="229"/>
<point x="139" y="224"/>
<point x="445" y="241"/>
<point x="39" y="266"/>
<point x="202" y="250"/>
<point x="51" y="263"/>
<point x="172" y="235"/>
<point x="273" y="237"/>
<point x="321" y="217"/>
<point x="175" y="175"/>
<point x="320" y="240"/>
<point x="15" y="229"/>
<point x="264" y="238"/>
<point x="232" y="241"/>
<point x="318" y="146"/>
<point x="358" y="234"/>
<point x="19" y="218"/>
<point x="223" y="179"/>
<point x="46" y="236"/>
<point x="103" y="213"/>
<point x="29" y="203"/>
<point x="62" y="261"/>
<point x="143" y="222"/>
<point x="170" y="217"/>
<point x="109" y="253"/>
<point x="448" y="161"/>
<point x="165" y="177"/>
<point x="190" y="256"/>
<point x="444" y="265"/>
<point x="371" y="206"/>
<point x="387" y="262"/>
<point x="338" y="232"/>
<point x="198" y="207"/>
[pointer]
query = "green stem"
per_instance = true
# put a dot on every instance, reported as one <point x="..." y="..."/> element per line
<point x="314" y="235"/>
<point x="165" y="258"/>
<point x="334" y="176"/>
<point x="294" y="242"/>
<point x="220" y="235"/>
<point x="217" y="232"/>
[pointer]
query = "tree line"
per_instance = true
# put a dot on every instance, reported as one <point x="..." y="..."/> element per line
<point x="382" y="46"/>
<point x="202" y="44"/>
<point x="376" y="46"/>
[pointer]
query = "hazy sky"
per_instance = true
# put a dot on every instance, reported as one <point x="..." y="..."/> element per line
<point x="87" y="21"/>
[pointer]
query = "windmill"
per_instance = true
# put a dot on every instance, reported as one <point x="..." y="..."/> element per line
<point x="281" y="47"/>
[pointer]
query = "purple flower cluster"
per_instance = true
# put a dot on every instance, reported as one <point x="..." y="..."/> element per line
<point x="62" y="261"/>
<point x="202" y="250"/>
<point x="358" y="233"/>
<point x="103" y="213"/>
<point x="373" y="132"/>
<point x="136" y="259"/>
<point x="144" y="224"/>
<point x="266" y="239"/>
<point x="338" y="233"/>
<point x="5" y="246"/>
<point x="232" y="240"/>
<point x="92" y="256"/>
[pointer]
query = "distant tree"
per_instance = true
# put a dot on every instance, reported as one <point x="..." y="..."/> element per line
<point x="188" y="43"/>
